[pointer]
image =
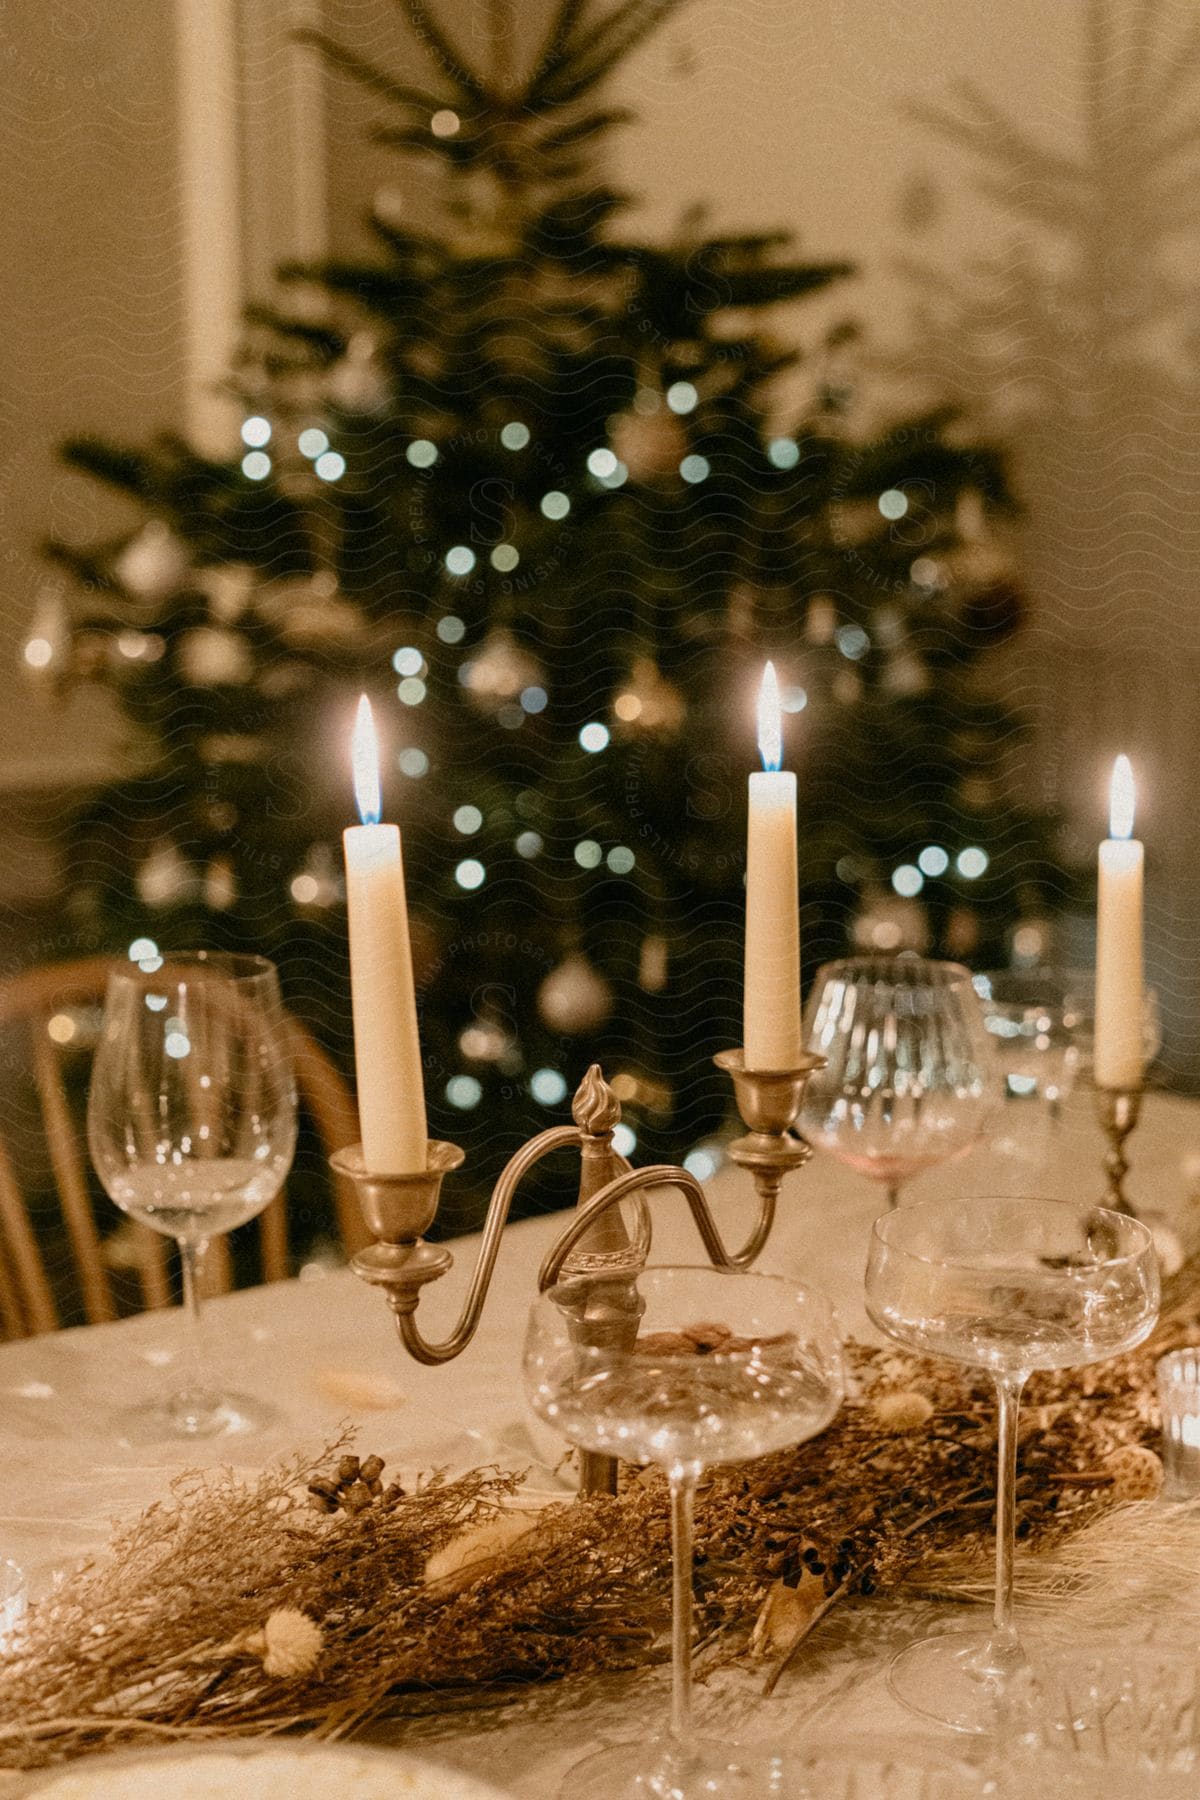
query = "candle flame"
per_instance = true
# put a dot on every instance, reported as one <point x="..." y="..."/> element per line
<point x="770" y="721"/>
<point x="364" y="760"/>
<point x="1120" y="800"/>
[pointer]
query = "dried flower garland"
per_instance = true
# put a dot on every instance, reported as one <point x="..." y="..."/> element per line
<point x="319" y="1597"/>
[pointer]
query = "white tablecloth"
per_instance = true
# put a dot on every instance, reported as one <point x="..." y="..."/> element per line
<point x="323" y="1351"/>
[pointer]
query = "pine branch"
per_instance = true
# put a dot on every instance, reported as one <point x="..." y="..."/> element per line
<point x="581" y="131"/>
<point x="993" y="137"/>
<point x="368" y="74"/>
<point x="555" y="48"/>
<point x="578" y="78"/>
<point x="132" y="471"/>
<point x="449" y="59"/>
<point x="1179" y="72"/>
<point x="627" y="16"/>
<point x="1184" y="140"/>
<point x="1138" y="61"/>
<point x="324" y="342"/>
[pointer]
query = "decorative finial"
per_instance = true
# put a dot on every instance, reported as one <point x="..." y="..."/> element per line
<point x="595" y="1108"/>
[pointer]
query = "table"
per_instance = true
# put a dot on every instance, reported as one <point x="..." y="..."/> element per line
<point x="323" y="1350"/>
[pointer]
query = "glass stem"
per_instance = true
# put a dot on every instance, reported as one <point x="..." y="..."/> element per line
<point x="193" y="1400"/>
<point x="893" y="1195"/>
<point x="1008" y="1394"/>
<point x="683" y="1496"/>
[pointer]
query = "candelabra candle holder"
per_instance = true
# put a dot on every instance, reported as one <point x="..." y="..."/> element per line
<point x="597" y="1247"/>
<point x="1118" y="1110"/>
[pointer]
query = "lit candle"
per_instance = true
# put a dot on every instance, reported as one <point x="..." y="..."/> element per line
<point x="1120" y="985"/>
<point x="387" y="1051"/>
<point x="771" y="1023"/>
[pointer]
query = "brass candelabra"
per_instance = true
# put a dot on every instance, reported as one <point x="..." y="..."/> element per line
<point x="596" y="1246"/>
<point x="1118" y="1110"/>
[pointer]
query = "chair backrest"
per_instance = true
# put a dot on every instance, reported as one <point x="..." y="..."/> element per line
<point x="53" y="1012"/>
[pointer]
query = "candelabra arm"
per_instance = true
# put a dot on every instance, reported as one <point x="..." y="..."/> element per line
<point x="658" y="1175"/>
<point x="404" y="1301"/>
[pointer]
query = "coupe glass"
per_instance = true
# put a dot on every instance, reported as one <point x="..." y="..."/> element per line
<point x="191" y="1126"/>
<point x="909" y="1076"/>
<point x="772" y="1377"/>
<point x="1008" y="1286"/>
<point x="1128" y="1717"/>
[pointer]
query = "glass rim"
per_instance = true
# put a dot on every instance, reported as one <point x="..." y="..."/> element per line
<point x="966" y="1262"/>
<point x="776" y="1284"/>
<point x="885" y="961"/>
<point x="233" y="965"/>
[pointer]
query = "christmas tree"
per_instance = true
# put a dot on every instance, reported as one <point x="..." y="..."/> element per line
<point x="523" y="479"/>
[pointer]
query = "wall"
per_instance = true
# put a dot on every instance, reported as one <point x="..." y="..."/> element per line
<point x="773" y="113"/>
<point x="1056" y="301"/>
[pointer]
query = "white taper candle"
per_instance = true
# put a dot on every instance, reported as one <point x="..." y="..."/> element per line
<point x="1120" y="1053"/>
<point x="387" y="1050"/>
<point x="771" y="999"/>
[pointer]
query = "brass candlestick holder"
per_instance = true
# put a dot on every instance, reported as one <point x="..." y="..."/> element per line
<point x="1118" y="1110"/>
<point x="597" y="1246"/>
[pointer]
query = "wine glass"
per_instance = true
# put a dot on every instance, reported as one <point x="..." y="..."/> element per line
<point x="191" y="1126"/>
<point x="1026" y="1015"/>
<point x="1079" y="1002"/>
<point x="726" y="1366"/>
<point x="909" y="1076"/>
<point x="1009" y="1286"/>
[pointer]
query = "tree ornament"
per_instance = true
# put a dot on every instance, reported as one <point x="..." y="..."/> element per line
<point x="500" y="670"/>
<point x="905" y="675"/>
<point x="888" y="921"/>
<point x="962" y="931"/>
<point x="574" y="998"/>
<point x="318" y="882"/>
<point x="153" y="563"/>
<point x="647" y="702"/>
<point x="229" y="589"/>
<point x="358" y="382"/>
<point x="48" y="651"/>
<point x="821" y="622"/>
<point x="652" y="964"/>
<point x="976" y="792"/>
<point x="308" y="613"/>
<point x="651" y="445"/>
<point x="1031" y="943"/>
<point x="220" y="884"/>
<point x="166" y="878"/>
<point x="485" y="1040"/>
<point x="214" y="656"/>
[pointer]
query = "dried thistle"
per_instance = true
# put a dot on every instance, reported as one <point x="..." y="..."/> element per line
<point x="901" y="1410"/>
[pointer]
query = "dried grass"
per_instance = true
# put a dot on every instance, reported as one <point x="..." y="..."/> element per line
<point x="141" y="1643"/>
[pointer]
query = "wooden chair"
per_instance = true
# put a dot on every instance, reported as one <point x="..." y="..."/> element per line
<point x="47" y="1010"/>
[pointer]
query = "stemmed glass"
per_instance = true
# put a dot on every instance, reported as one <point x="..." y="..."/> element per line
<point x="909" y="1076"/>
<point x="1026" y="1014"/>
<point x="727" y="1366"/>
<point x="1008" y="1286"/>
<point x="191" y="1126"/>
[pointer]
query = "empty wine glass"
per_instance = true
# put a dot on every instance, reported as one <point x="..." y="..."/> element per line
<point x="909" y="1076"/>
<point x="1026" y="1014"/>
<point x="727" y="1366"/>
<point x="191" y="1126"/>
<point x="1008" y="1286"/>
